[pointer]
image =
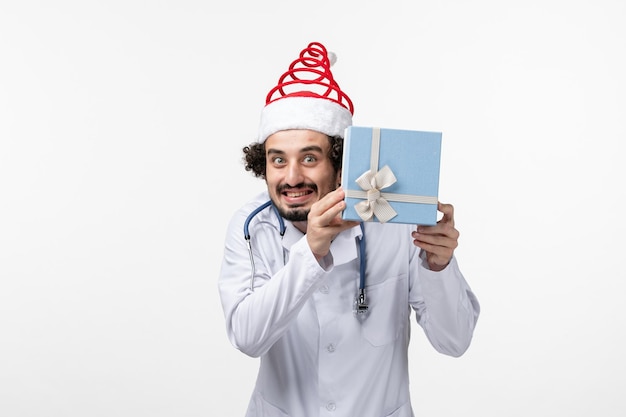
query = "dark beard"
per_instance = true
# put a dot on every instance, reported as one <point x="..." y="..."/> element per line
<point x="294" y="214"/>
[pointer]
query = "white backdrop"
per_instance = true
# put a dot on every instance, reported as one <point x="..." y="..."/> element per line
<point x="121" y="128"/>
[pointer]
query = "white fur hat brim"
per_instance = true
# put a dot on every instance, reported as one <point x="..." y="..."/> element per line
<point x="312" y="113"/>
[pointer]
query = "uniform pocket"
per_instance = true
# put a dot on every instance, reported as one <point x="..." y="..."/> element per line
<point x="261" y="408"/>
<point x="388" y="310"/>
<point x="404" y="411"/>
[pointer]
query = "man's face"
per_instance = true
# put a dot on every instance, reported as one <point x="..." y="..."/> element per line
<point x="298" y="171"/>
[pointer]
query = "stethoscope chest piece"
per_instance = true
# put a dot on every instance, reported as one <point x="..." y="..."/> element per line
<point x="361" y="308"/>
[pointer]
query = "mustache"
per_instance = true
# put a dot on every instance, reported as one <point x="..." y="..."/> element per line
<point x="286" y="187"/>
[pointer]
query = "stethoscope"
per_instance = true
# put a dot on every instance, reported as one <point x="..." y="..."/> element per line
<point x="360" y="302"/>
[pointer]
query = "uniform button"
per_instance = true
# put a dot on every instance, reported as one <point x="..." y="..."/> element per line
<point x="330" y="348"/>
<point x="324" y="289"/>
<point x="331" y="406"/>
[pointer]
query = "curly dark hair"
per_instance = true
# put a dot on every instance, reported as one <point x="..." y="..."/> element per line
<point x="254" y="156"/>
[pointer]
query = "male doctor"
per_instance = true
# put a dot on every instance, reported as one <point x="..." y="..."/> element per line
<point x="291" y="290"/>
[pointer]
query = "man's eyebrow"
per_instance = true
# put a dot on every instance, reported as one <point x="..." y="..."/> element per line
<point x="312" y="148"/>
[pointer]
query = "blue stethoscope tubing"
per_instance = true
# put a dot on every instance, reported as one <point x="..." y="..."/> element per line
<point x="360" y="301"/>
<point x="246" y="233"/>
<point x="246" y="224"/>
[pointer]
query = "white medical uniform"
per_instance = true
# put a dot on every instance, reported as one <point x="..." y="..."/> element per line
<point x="317" y="358"/>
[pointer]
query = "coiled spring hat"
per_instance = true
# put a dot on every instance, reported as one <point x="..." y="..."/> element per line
<point x="307" y="97"/>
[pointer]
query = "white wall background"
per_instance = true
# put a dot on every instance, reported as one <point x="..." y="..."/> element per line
<point x="121" y="127"/>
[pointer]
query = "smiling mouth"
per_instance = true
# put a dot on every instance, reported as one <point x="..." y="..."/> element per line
<point x="295" y="194"/>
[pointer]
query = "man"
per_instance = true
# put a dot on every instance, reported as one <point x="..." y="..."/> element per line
<point x="292" y="296"/>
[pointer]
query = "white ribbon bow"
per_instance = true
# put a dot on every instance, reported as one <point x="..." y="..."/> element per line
<point x="375" y="205"/>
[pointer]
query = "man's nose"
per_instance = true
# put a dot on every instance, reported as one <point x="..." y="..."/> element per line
<point x="294" y="175"/>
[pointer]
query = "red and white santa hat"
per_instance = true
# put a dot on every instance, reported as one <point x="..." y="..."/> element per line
<point x="307" y="97"/>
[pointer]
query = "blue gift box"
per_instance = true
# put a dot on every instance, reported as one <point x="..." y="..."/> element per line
<point x="391" y="175"/>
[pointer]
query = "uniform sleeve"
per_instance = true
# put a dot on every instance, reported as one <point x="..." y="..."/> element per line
<point x="255" y="320"/>
<point x="445" y="306"/>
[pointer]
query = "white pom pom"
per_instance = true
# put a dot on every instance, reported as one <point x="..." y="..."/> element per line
<point x="332" y="57"/>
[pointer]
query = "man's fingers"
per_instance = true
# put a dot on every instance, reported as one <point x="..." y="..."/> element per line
<point x="331" y="214"/>
<point x="441" y="228"/>
<point x="448" y="212"/>
<point x="325" y="222"/>
<point x="437" y="240"/>
<point x="445" y="226"/>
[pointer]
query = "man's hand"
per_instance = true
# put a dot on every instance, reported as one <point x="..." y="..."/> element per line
<point x="324" y="222"/>
<point x="438" y="241"/>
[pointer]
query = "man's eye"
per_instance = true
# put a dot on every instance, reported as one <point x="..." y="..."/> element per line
<point x="278" y="160"/>
<point x="309" y="159"/>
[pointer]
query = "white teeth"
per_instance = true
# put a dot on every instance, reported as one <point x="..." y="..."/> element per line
<point x="295" y="194"/>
